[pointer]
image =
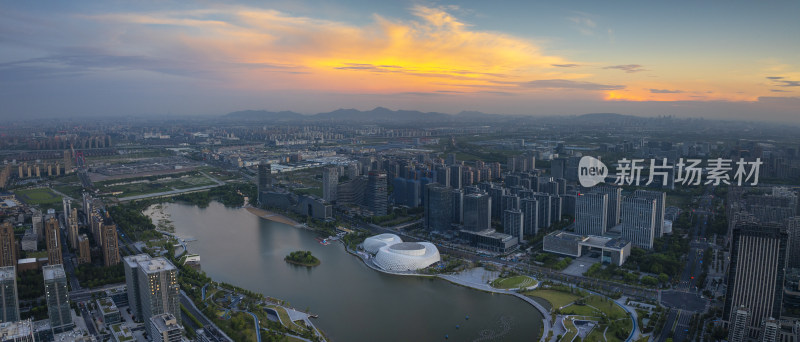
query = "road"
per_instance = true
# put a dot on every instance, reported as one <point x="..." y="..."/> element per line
<point x="685" y="300"/>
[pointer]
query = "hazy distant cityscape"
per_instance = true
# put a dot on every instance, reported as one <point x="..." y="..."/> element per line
<point x="94" y="249"/>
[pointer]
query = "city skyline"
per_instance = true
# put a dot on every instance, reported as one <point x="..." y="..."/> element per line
<point x="689" y="60"/>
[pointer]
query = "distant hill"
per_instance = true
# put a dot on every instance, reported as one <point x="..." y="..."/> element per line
<point x="263" y="115"/>
<point x="379" y="114"/>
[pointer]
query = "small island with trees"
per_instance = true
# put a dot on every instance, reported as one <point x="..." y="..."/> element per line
<point x="302" y="258"/>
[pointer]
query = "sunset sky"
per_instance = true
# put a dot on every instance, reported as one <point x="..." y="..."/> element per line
<point x="731" y="59"/>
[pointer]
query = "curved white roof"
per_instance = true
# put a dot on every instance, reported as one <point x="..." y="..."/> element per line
<point x="373" y="243"/>
<point x="406" y="256"/>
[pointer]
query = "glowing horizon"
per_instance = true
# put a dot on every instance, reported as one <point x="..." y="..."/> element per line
<point x="427" y="57"/>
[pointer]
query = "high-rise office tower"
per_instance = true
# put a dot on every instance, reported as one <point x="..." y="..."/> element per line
<point x="530" y="216"/>
<point x="614" y="203"/>
<point x="166" y="328"/>
<point x="661" y="200"/>
<point x="509" y="202"/>
<point x="639" y="221"/>
<point x="38" y="224"/>
<point x="458" y="205"/>
<point x="110" y="243"/>
<point x="84" y="251"/>
<point x="591" y="214"/>
<point x="67" y="207"/>
<point x="770" y="330"/>
<point x="455" y="176"/>
<point x="443" y="175"/>
<point x="377" y="196"/>
<point x="548" y="186"/>
<point x="738" y="330"/>
<point x="159" y="291"/>
<point x="57" y="297"/>
<point x="438" y="207"/>
<point x="72" y="227"/>
<point x="557" y="167"/>
<point x="793" y="229"/>
<point x="131" y="266"/>
<point x="513" y="223"/>
<point x="756" y="272"/>
<point x="451" y="159"/>
<point x="330" y="181"/>
<point x="477" y="212"/>
<point x="8" y="295"/>
<point x="53" y="239"/>
<point x="264" y="179"/>
<point x="8" y="245"/>
<point x="556" y="207"/>
<point x="545" y="209"/>
<point x="497" y="193"/>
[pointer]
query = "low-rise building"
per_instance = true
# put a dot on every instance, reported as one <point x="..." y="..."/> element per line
<point x="612" y="250"/>
<point x="489" y="240"/>
<point x="109" y="311"/>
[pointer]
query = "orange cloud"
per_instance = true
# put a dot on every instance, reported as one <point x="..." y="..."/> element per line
<point x="435" y="51"/>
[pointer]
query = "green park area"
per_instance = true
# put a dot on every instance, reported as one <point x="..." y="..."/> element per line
<point x="515" y="282"/>
<point x="613" y="323"/>
<point x="43" y="197"/>
<point x="556" y="298"/>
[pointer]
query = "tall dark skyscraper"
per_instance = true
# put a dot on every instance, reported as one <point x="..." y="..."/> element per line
<point x="614" y="203"/>
<point x="756" y="272"/>
<point x="456" y="175"/>
<point x="513" y="223"/>
<point x="639" y="221"/>
<point x="661" y="200"/>
<point x="57" y="297"/>
<point x="9" y="302"/>
<point x="530" y="212"/>
<point x="477" y="212"/>
<point x="377" y="196"/>
<point x="330" y="181"/>
<point x="264" y="178"/>
<point x="590" y="214"/>
<point x="438" y="207"/>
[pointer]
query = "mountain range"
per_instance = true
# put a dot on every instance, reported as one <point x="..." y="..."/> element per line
<point x="381" y="114"/>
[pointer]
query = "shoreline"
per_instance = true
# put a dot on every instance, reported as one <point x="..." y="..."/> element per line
<point x="546" y="324"/>
<point x="275" y="217"/>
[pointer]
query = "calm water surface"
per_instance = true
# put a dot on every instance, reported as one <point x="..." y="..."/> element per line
<point x="354" y="302"/>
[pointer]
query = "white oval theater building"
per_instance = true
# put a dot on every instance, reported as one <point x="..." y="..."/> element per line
<point x="373" y="243"/>
<point x="406" y="256"/>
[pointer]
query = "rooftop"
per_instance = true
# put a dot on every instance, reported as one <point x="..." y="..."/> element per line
<point x="156" y="265"/>
<point x="7" y="273"/>
<point x="52" y="272"/>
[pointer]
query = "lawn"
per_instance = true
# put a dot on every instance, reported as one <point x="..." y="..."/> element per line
<point x="608" y="307"/>
<point x="582" y="310"/>
<point x="286" y="321"/>
<point x="73" y="191"/>
<point x="514" y="282"/>
<point x="556" y="298"/>
<point x="39" y="196"/>
<point x="571" y="331"/>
